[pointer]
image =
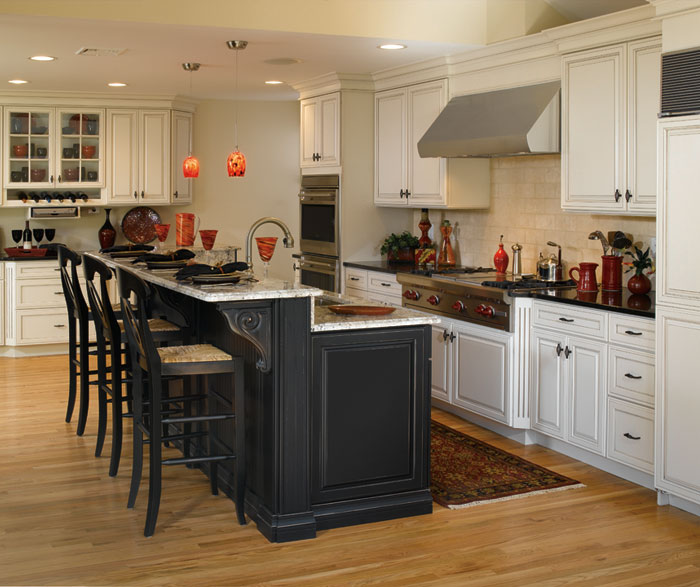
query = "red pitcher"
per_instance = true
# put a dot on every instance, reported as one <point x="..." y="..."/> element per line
<point x="586" y="274"/>
<point x="186" y="225"/>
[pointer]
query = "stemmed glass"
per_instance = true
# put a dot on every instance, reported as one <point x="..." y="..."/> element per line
<point x="17" y="235"/>
<point x="162" y="234"/>
<point x="38" y="235"/>
<point x="208" y="237"/>
<point x="266" y="248"/>
<point x="49" y="233"/>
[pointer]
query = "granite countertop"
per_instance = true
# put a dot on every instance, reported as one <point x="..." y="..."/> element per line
<point x="242" y="291"/>
<point x="323" y="320"/>
<point x="383" y="266"/>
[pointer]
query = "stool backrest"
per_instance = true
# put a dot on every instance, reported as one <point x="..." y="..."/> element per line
<point x="68" y="262"/>
<point x="134" y="295"/>
<point x="102" y="312"/>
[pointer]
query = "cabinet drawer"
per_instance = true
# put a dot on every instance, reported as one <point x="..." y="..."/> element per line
<point x="37" y="270"/>
<point x="632" y="375"/>
<point x="356" y="293"/>
<point x="383" y="298"/>
<point x="383" y="283"/>
<point x="39" y="293"/>
<point x="356" y="278"/>
<point x="44" y="327"/>
<point x="571" y="320"/>
<point x="631" y="435"/>
<point x="636" y="332"/>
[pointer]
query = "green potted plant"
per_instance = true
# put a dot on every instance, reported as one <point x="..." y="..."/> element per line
<point x="639" y="283"/>
<point x="400" y="248"/>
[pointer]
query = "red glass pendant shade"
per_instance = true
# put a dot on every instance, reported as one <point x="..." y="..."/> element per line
<point x="235" y="164"/>
<point x="190" y="167"/>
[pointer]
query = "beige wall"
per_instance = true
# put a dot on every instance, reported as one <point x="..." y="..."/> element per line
<point x="525" y="208"/>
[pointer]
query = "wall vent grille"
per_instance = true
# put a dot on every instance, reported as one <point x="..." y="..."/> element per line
<point x="680" y="83"/>
<point x="99" y="52"/>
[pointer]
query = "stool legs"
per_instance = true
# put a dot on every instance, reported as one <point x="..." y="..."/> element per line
<point x="117" y="409"/>
<point x="137" y="464"/>
<point x="155" y="454"/>
<point x="84" y="353"/>
<point x="101" y="398"/>
<point x="72" y="368"/>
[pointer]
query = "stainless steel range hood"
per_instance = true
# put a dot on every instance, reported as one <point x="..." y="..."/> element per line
<point x="518" y="121"/>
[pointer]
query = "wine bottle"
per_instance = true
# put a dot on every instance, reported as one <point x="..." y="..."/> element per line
<point x="58" y="196"/>
<point x="71" y="196"/>
<point x="26" y="236"/>
<point x="83" y="196"/>
<point x="46" y="196"/>
<point x="34" y="196"/>
<point x="23" y="196"/>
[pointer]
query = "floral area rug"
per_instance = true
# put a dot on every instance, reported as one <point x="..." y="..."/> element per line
<point x="466" y="472"/>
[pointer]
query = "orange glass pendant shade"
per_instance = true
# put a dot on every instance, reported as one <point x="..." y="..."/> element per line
<point x="235" y="164"/>
<point x="190" y="167"/>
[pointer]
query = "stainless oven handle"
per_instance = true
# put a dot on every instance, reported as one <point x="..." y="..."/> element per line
<point x="317" y="267"/>
<point x="318" y="199"/>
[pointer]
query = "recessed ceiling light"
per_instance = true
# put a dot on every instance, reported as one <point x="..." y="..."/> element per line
<point x="392" y="46"/>
<point x="17" y="81"/>
<point x="116" y="84"/>
<point x="42" y="58"/>
<point x="273" y="82"/>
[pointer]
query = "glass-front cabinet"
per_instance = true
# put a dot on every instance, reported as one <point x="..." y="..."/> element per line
<point x="53" y="148"/>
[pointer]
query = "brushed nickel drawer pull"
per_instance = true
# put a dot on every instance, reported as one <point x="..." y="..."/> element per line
<point x="628" y="435"/>
<point x="630" y="376"/>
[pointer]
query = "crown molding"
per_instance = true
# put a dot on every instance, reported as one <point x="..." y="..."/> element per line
<point x="333" y="82"/>
<point x="97" y="99"/>
<point x="413" y="73"/>
<point x="674" y="7"/>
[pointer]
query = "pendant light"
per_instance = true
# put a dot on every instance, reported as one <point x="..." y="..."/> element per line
<point x="235" y="164"/>
<point x="190" y="166"/>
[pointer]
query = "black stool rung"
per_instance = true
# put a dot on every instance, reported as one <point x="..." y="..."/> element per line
<point x="187" y="419"/>
<point x="178" y="399"/>
<point x="181" y="436"/>
<point x="188" y="460"/>
<point x="227" y="402"/>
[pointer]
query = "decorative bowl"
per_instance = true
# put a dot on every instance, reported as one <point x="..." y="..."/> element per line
<point x="38" y="174"/>
<point x="20" y="150"/>
<point x="88" y="151"/>
<point x="70" y="174"/>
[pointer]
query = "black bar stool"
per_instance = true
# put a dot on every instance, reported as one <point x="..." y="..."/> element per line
<point x="199" y="360"/>
<point x="111" y="342"/>
<point x="78" y="336"/>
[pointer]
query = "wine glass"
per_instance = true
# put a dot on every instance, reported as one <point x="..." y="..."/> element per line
<point x="17" y="235"/>
<point x="38" y="235"/>
<point x="208" y="237"/>
<point x="49" y="233"/>
<point x="266" y="248"/>
<point x="162" y="234"/>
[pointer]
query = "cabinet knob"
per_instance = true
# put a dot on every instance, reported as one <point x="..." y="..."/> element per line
<point x="628" y="196"/>
<point x="407" y="193"/>
<point x="618" y="195"/>
<point x="175" y="193"/>
<point x="136" y="195"/>
<point x="401" y="194"/>
<point x="445" y="335"/>
<point x="59" y="179"/>
<point x="142" y="193"/>
<point x="51" y="179"/>
<point x="567" y="351"/>
<point x="559" y="349"/>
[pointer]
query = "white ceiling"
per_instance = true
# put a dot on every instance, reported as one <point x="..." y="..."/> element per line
<point x="154" y="53"/>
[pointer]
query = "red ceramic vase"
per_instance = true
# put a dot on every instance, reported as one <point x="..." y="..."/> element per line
<point x="639" y="284"/>
<point x="107" y="234"/>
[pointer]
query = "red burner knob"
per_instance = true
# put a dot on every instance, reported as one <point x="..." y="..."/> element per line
<point x="411" y="294"/>
<point x="486" y="311"/>
<point x="458" y="306"/>
<point x="434" y="300"/>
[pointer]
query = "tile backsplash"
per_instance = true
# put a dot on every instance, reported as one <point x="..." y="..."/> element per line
<point x="525" y="208"/>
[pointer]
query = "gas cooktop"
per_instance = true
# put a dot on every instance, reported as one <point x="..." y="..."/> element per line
<point x="453" y="270"/>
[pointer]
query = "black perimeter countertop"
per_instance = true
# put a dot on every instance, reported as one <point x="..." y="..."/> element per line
<point x="623" y="302"/>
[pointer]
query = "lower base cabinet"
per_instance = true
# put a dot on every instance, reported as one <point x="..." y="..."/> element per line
<point x="370" y="413"/>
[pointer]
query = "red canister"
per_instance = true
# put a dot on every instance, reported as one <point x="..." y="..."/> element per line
<point x="612" y="273"/>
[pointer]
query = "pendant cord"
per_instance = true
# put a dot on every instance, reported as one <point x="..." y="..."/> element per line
<point x="235" y="124"/>
<point x="191" y="72"/>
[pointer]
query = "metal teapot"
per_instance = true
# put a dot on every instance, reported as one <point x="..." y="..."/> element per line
<point x="550" y="268"/>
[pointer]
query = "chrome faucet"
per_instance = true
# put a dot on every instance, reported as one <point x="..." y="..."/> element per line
<point x="288" y="239"/>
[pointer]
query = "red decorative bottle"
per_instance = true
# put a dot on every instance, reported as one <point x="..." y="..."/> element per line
<point x="500" y="259"/>
<point x="106" y="234"/>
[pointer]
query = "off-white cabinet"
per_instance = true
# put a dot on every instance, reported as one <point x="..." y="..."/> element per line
<point x="181" y="133"/>
<point x="569" y="372"/>
<point x="139" y="159"/>
<point x="677" y="463"/>
<point x="373" y="286"/>
<point x="320" y="131"/>
<point x="471" y="368"/>
<point x="2" y="304"/>
<point x="610" y="102"/>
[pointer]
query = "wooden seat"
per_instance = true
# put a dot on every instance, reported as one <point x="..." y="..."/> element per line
<point x="199" y="361"/>
<point x="111" y="340"/>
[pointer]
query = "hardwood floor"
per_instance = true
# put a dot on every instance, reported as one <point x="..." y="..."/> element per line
<point x="63" y="521"/>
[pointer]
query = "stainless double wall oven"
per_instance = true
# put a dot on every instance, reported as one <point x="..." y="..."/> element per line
<point x="319" y="215"/>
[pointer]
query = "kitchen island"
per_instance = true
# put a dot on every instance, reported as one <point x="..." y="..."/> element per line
<point x="337" y="419"/>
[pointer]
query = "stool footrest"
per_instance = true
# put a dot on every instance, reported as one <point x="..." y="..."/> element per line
<point x="182" y="436"/>
<point x="188" y="460"/>
<point x="186" y="419"/>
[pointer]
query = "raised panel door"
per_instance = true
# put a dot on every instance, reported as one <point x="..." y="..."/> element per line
<point x="123" y="165"/>
<point x="181" y="149"/>
<point x="593" y="130"/>
<point x="440" y="378"/>
<point x="154" y="155"/>
<point x="644" y="82"/>
<point x="390" y="161"/>
<point x="307" y="147"/>
<point x="678" y="404"/>
<point x="548" y="401"/>
<point x="426" y="176"/>
<point x="329" y="130"/>
<point x="480" y="371"/>
<point x="586" y="376"/>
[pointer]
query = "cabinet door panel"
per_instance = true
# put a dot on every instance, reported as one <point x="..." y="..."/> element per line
<point x="481" y="363"/>
<point x="155" y="156"/>
<point x="440" y="383"/>
<point x="124" y="157"/>
<point x="426" y="176"/>
<point x="548" y="402"/>
<point x="390" y="147"/>
<point x="329" y="131"/>
<point x="587" y="371"/>
<point x="678" y="404"/>
<point x="593" y="130"/>
<point x="307" y="148"/>
<point x="181" y="149"/>
<point x="644" y="83"/>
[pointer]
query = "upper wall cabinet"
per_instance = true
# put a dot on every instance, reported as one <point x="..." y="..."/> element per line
<point x="49" y="148"/>
<point x="181" y="148"/>
<point x="320" y="131"/>
<point x="139" y="160"/>
<point x="401" y="176"/>
<point x="610" y="104"/>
